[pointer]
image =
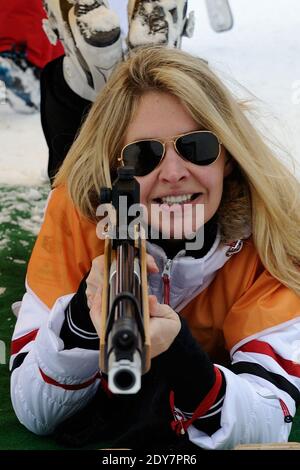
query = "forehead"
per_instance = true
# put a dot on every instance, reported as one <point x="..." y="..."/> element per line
<point x="159" y="115"/>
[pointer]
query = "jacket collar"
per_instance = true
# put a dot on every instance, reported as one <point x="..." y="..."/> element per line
<point x="188" y="276"/>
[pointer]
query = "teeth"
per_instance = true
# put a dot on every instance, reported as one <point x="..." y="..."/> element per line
<point x="177" y="199"/>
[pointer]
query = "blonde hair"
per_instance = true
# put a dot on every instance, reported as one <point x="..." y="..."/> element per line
<point x="260" y="194"/>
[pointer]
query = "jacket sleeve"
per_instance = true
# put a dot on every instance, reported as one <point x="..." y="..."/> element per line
<point x="263" y="380"/>
<point x="262" y="390"/>
<point x="49" y="383"/>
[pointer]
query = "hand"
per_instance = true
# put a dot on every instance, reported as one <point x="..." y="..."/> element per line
<point x="164" y="326"/>
<point x="164" y="323"/>
<point x="94" y="279"/>
<point x="94" y="284"/>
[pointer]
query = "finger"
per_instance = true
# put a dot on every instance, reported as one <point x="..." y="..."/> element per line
<point x="90" y="292"/>
<point x="153" y="305"/>
<point x="98" y="296"/>
<point x="89" y="300"/>
<point x="161" y="310"/>
<point x="95" y="311"/>
<point x="151" y="264"/>
<point x="98" y="265"/>
<point x="91" y="288"/>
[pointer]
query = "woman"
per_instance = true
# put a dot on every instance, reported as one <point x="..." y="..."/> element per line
<point x="235" y="301"/>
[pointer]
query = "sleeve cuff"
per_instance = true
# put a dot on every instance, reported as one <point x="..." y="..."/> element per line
<point x="78" y="330"/>
<point x="64" y="366"/>
<point x="188" y="369"/>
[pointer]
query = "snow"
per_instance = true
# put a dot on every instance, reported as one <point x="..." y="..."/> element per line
<point x="261" y="52"/>
<point x="22" y="208"/>
<point x="86" y="2"/>
<point x="101" y="19"/>
<point x="23" y="150"/>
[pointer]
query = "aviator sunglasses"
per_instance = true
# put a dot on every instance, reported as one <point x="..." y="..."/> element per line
<point x="199" y="147"/>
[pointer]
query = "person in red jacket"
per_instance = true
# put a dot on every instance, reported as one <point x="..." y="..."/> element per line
<point x="24" y="51"/>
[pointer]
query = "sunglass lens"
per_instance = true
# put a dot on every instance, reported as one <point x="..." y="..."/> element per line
<point x="144" y="156"/>
<point x="201" y="148"/>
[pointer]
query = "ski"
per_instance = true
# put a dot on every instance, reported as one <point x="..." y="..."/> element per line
<point x="219" y="14"/>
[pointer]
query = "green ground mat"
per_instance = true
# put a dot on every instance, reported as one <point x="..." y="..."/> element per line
<point x="21" y="211"/>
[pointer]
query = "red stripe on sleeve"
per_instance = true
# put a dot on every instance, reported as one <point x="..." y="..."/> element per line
<point x="19" y="343"/>
<point x="50" y="381"/>
<point x="261" y="347"/>
<point x="180" y="424"/>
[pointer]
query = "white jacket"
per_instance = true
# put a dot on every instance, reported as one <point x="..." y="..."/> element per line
<point x="52" y="384"/>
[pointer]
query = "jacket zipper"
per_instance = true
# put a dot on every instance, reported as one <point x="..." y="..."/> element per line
<point x="166" y="281"/>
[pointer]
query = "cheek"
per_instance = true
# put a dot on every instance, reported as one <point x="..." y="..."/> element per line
<point x="216" y="183"/>
<point x="146" y="185"/>
<point x="211" y="180"/>
<point x="214" y="176"/>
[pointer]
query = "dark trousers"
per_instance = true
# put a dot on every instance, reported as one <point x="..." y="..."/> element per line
<point x="62" y="113"/>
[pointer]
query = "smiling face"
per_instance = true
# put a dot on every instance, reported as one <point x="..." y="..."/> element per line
<point x="162" y="116"/>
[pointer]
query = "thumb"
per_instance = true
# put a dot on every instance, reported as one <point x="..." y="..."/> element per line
<point x="153" y="305"/>
<point x="159" y="310"/>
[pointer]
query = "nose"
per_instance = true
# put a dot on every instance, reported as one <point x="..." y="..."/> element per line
<point x="173" y="168"/>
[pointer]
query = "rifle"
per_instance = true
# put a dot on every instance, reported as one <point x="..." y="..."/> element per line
<point x="124" y="338"/>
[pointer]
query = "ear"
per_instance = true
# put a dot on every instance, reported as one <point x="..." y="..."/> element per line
<point x="229" y="164"/>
